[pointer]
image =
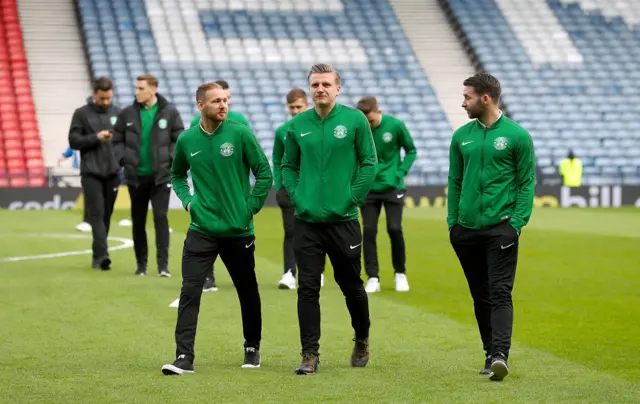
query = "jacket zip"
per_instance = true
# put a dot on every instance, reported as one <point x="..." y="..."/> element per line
<point x="154" y="157"/>
<point x="484" y="139"/>
<point x="322" y="167"/>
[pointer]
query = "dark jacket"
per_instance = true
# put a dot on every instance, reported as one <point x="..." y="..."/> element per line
<point x="96" y="158"/>
<point x="167" y="126"/>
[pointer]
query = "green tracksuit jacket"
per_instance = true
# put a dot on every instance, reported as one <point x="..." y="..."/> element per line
<point x="389" y="137"/>
<point x="278" y="153"/>
<point x="329" y="164"/>
<point x="223" y="203"/>
<point x="491" y="175"/>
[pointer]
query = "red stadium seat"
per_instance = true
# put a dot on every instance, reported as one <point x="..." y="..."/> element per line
<point x="21" y="163"/>
<point x="30" y="134"/>
<point x="35" y="164"/>
<point x="19" y="182"/>
<point x="31" y="144"/>
<point x="9" y="124"/>
<point x="29" y="125"/>
<point x="12" y="144"/>
<point x="37" y="182"/>
<point x="15" y="155"/>
<point x="11" y="134"/>
<point x="15" y="164"/>
<point x="33" y="153"/>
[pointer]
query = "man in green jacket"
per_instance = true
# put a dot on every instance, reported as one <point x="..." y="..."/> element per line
<point x="490" y="198"/>
<point x="296" y="103"/>
<point x="219" y="154"/>
<point x="390" y="135"/>
<point x="210" y="282"/>
<point x="328" y="168"/>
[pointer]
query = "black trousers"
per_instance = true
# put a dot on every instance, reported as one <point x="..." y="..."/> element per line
<point x="85" y="212"/>
<point x="100" y="195"/>
<point x="159" y="195"/>
<point x="342" y="242"/>
<point x="288" y="221"/>
<point x="199" y="253"/>
<point x="393" y="205"/>
<point x="489" y="259"/>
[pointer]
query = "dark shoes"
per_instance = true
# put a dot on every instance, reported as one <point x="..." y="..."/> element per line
<point x="309" y="365"/>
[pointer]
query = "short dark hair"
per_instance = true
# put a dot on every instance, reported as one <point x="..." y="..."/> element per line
<point x="102" y="84"/>
<point x="223" y="84"/>
<point x="324" y="68"/>
<point x="484" y="83"/>
<point x="295" y="94"/>
<point x="367" y="104"/>
<point x="149" y="78"/>
<point x="203" y="88"/>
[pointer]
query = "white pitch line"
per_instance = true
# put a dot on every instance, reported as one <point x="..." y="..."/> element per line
<point x="126" y="243"/>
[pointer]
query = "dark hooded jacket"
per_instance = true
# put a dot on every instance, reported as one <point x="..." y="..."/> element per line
<point x="167" y="126"/>
<point x="96" y="158"/>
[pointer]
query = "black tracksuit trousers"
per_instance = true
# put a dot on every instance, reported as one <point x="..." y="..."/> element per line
<point x="393" y="205"/>
<point x="199" y="253"/>
<point x="100" y="195"/>
<point x="342" y="242"/>
<point x="288" y="221"/>
<point x="158" y="194"/>
<point x="489" y="259"/>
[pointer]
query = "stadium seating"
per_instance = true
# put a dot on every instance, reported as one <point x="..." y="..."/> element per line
<point x="264" y="48"/>
<point x="21" y="163"/>
<point x="583" y="103"/>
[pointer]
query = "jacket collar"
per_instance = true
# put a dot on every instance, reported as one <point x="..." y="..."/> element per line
<point x="334" y="112"/>
<point x="162" y="102"/>
<point x="495" y="124"/>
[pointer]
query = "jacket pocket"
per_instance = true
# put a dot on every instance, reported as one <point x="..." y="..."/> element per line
<point x="341" y="204"/>
<point x="193" y="213"/>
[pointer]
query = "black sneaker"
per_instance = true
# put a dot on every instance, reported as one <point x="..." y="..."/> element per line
<point x="141" y="271"/>
<point x="251" y="358"/>
<point x="360" y="353"/>
<point x="499" y="367"/>
<point x="209" y="285"/>
<point x="181" y="366"/>
<point x="310" y="364"/>
<point x="103" y="263"/>
<point x="487" y="366"/>
<point x="164" y="273"/>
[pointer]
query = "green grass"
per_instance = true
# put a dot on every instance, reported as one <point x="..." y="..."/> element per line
<point x="72" y="334"/>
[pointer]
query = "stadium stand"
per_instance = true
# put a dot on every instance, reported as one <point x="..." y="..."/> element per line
<point x="252" y="45"/>
<point x="578" y="102"/>
<point x="21" y="163"/>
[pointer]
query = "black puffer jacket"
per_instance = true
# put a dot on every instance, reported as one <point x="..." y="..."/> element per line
<point x="167" y="126"/>
<point x="96" y="158"/>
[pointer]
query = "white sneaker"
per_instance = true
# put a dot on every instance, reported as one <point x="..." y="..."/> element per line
<point x="288" y="281"/>
<point x="321" y="280"/>
<point x="84" y="227"/>
<point x="402" y="285"/>
<point x="373" y="285"/>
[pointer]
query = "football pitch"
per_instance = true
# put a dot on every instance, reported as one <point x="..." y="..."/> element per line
<point x="71" y="334"/>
